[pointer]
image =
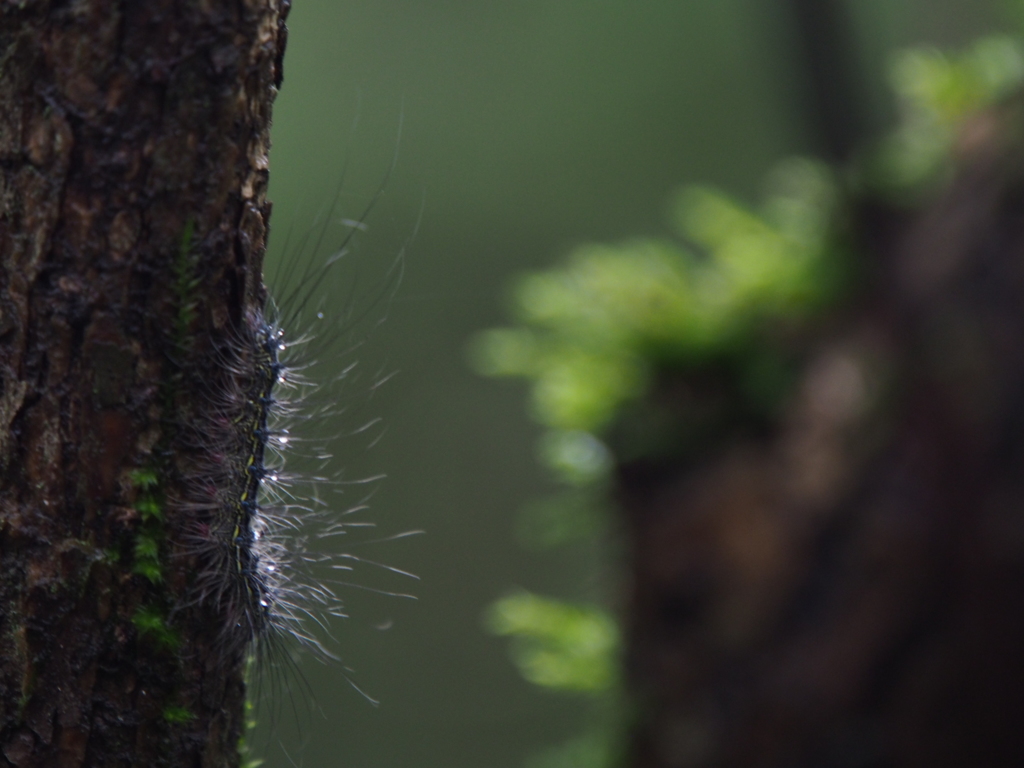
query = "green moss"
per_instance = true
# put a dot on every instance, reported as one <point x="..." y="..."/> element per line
<point x="149" y="497"/>
<point x="146" y="548"/>
<point x="147" y="559"/>
<point x="149" y="508"/>
<point x="151" y="623"/>
<point x="149" y="504"/>
<point x="147" y="554"/>
<point x="145" y="479"/>
<point x="177" y="715"/>
<point x="150" y="570"/>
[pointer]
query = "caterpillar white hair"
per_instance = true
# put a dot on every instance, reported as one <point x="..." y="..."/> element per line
<point x="263" y="545"/>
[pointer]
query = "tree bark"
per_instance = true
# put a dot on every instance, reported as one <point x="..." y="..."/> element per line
<point x="133" y="169"/>
<point x="846" y="587"/>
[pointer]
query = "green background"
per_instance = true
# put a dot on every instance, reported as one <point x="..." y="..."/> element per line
<point x="516" y="130"/>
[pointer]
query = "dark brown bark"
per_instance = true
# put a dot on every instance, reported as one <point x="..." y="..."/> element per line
<point x="846" y="587"/>
<point x="133" y="169"/>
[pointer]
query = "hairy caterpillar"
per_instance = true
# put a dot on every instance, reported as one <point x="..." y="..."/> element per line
<point x="263" y="540"/>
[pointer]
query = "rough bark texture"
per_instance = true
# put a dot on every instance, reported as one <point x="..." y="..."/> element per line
<point x="846" y="588"/>
<point x="133" y="167"/>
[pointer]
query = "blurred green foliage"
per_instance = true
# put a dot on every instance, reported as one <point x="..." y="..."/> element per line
<point x="592" y="337"/>
<point x="936" y="93"/>
<point x="557" y="644"/>
<point x="594" y="334"/>
<point x="567" y="647"/>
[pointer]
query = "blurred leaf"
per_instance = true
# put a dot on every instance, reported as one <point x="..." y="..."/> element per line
<point x="594" y="330"/>
<point x="556" y="644"/>
<point x="937" y="94"/>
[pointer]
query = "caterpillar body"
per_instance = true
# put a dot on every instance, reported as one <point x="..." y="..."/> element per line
<point x="240" y="571"/>
<point x="251" y="528"/>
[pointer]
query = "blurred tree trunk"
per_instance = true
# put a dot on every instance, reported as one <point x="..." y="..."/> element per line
<point x="133" y="169"/>
<point x="847" y="589"/>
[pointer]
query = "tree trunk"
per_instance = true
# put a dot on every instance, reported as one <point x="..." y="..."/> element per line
<point x="133" y="169"/>
<point x="846" y="589"/>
